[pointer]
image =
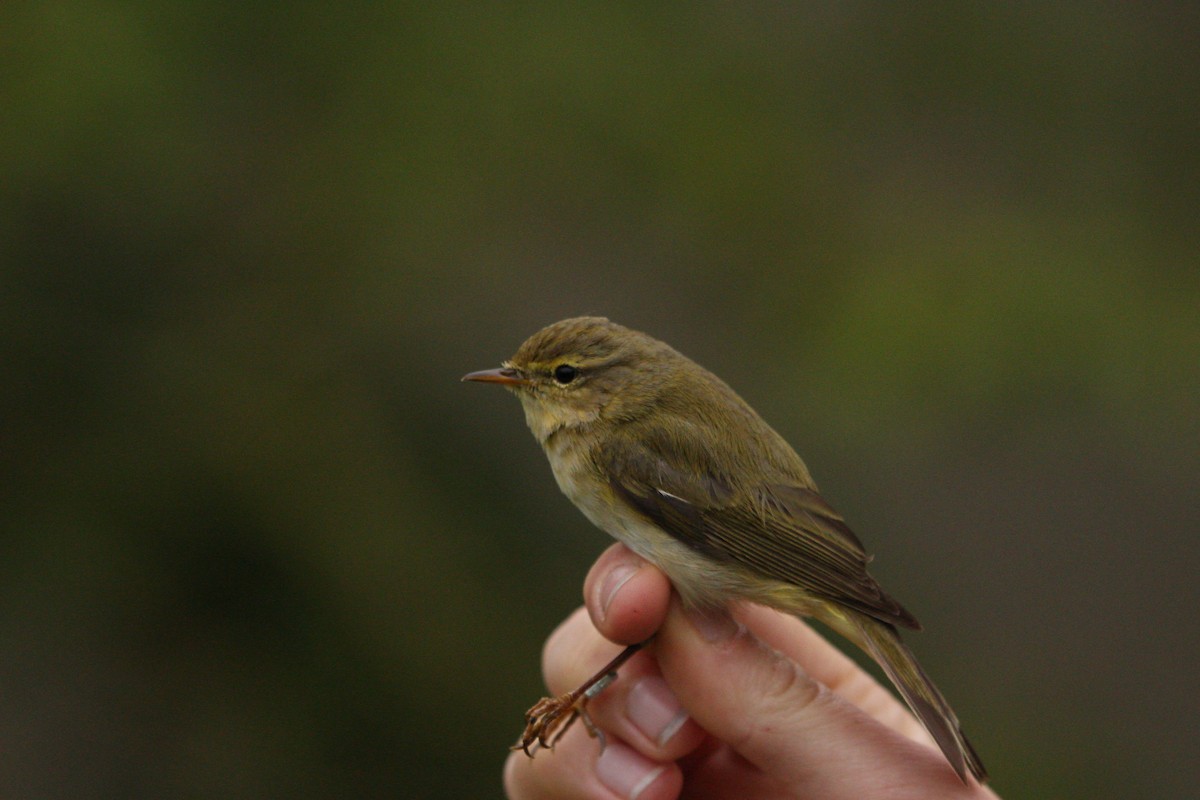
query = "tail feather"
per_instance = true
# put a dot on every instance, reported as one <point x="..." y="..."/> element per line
<point x="884" y="645"/>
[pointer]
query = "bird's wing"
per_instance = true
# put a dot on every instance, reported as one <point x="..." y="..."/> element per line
<point x="780" y="530"/>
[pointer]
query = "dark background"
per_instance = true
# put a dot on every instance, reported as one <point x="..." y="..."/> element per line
<point x="258" y="541"/>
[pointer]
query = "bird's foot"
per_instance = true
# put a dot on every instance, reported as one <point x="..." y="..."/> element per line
<point x="551" y="717"/>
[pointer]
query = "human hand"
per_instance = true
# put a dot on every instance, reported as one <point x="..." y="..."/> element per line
<point x="772" y="709"/>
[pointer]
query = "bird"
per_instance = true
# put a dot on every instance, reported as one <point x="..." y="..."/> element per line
<point x="664" y="456"/>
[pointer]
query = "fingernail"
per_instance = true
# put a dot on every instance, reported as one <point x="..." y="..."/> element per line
<point x="617" y="577"/>
<point x="624" y="771"/>
<point x="654" y="709"/>
<point x="714" y="626"/>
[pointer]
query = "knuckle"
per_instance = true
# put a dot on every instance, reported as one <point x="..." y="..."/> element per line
<point x="785" y="682"/>
<point x="783" y="689"/>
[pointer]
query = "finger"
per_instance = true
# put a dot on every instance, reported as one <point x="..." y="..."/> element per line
<point x="785" y="723"/>
<point x="574" y="652"/>
<point x="577" y="770"/>
<point x="626" y="596"/>
<point x="827" y="664"/>
<point x="637" y="707"/>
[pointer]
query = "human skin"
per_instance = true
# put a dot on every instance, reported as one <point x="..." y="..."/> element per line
<point x="772" y="708"/>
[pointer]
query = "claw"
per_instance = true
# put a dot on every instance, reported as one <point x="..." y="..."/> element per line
<point x="545" y="723"/>
<point x="551" y="717"/>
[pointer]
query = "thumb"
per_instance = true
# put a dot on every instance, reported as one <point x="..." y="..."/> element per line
<point x="782" y="721"/>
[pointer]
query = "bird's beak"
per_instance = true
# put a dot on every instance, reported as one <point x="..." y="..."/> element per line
<point x="506" y="376"/>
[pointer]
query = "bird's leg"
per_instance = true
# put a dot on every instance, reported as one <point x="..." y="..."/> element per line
<point x="550" y="717"/>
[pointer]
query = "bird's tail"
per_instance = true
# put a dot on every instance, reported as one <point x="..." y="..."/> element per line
<point x="883" y="643"/>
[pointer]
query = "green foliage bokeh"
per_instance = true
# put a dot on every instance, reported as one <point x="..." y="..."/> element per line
<point x="258" y="541"/>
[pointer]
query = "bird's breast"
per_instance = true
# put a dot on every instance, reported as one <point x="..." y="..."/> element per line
<point x="694" y="575"/>
<point x="572" y="467"/>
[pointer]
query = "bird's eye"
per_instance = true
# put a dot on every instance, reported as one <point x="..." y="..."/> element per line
<point x="565" y="373"/>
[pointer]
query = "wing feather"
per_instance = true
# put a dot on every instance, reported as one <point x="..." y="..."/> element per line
<point x="782" y="530"/>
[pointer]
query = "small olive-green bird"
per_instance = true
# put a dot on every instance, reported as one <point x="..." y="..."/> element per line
<point x="667" y="458"/>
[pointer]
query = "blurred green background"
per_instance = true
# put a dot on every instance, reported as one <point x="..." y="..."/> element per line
<point x="257" y="540"/>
